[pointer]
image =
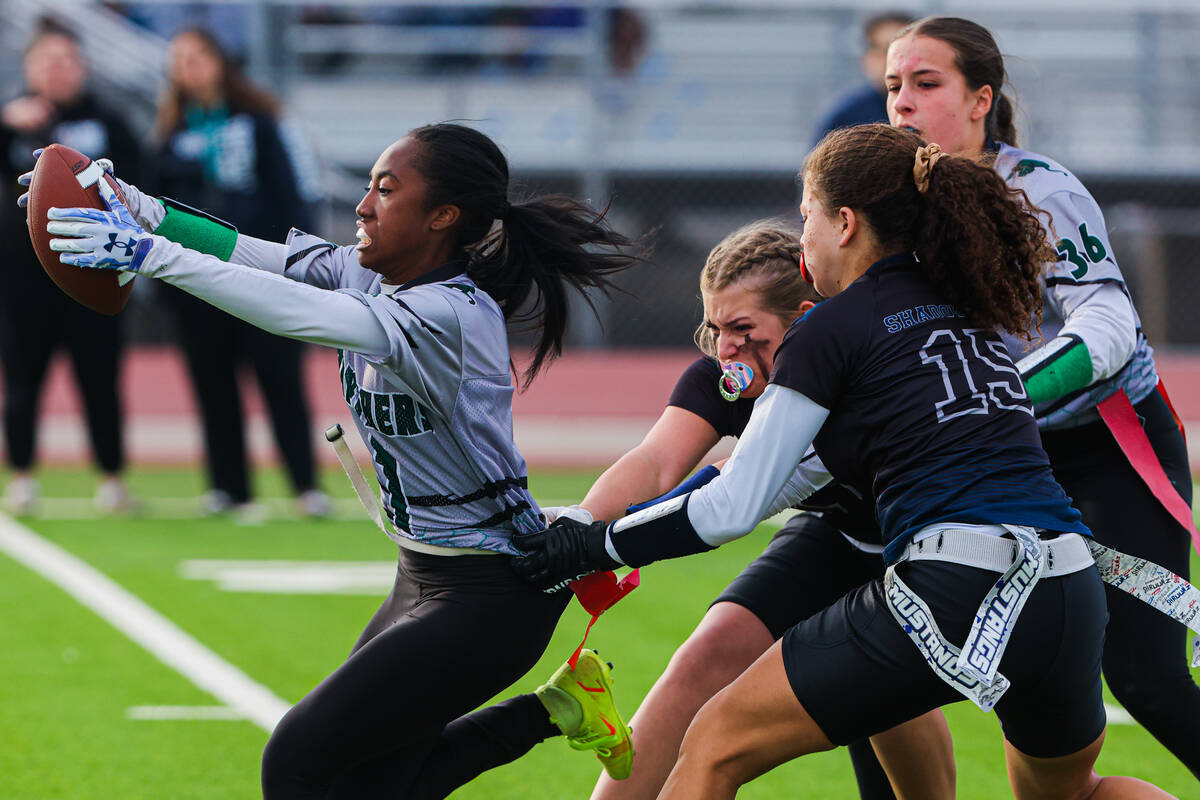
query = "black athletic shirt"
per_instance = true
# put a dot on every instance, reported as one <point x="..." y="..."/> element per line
<point x="846" y="508"/>
<point x="924" y="408"/>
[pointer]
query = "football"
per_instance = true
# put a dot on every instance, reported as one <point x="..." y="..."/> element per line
<point x="65" y="178"/>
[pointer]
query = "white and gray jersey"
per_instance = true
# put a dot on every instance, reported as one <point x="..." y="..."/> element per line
<point x="435" y="409"/>
<point x="1085" y="294"/>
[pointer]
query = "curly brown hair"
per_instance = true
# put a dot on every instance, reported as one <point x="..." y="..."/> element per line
<point x="980" y="242"/>
<point x="767" y="253"/>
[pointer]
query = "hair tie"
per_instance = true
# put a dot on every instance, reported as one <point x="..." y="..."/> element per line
<point x="927" y="156"/>
<point x="502" y="212"/>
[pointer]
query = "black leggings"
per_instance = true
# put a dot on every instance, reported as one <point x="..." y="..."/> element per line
<point x="1145" y="659"/>
<point x="34" y="321"/>
<point x="394" y="720"/>
<point x="215" y="344"/>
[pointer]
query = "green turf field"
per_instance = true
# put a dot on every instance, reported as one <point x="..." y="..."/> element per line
<point x="71" y="684"/>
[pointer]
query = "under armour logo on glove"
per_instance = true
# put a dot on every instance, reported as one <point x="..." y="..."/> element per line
<point x="100" y="239"/>
<point x="129" y="246"/>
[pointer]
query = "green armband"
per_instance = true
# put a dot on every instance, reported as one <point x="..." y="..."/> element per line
<point x="196" y="230"/>
<point x="1063" y="366"/>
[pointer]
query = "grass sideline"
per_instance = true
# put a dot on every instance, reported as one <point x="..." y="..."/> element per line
<point x="68" y="680"/>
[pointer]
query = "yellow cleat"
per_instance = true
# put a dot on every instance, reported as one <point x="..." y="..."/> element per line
<point x="580" y="703"/>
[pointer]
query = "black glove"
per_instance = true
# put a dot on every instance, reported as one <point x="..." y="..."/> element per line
<point x="565" y="551"/>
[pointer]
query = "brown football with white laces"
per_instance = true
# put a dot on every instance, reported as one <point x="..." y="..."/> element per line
<point x="66" y="178"/>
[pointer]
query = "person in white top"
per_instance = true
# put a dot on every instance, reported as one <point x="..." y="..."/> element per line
<point x="945" y="77"/>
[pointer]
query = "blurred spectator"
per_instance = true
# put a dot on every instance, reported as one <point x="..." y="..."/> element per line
<point x="221" y="150"/>
<point x="229" y="22"/>
<point x="626" y="40"/>
<point x="35" y="317"/>
<point x="867" y="103"/>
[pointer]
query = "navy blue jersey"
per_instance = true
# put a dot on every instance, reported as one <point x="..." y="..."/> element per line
<point x="925" y="408"/>
<point x="850" y="510"/>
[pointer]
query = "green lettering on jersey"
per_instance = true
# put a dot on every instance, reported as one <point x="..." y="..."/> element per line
<point x="1027" y="165"/>
<point x="466" y="289"/>
<point x="409" y="418"/>
<point x="381" y="412"/>
<point x="392" y="414"/>
<point x="349" y="385"/>
<point x="1093" y="251"/>
<point x="391" y="482"/>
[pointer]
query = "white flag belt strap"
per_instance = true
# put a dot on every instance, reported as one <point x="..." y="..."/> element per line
<point x="1154" y="585"/>
<point x="975" y="671"/>
<point x="972" y="671"/>
<point x="1062" y="555"/>
<point x="371" y="503"/>
<point x="916" y="619"/>
<point x="418" y="546"/>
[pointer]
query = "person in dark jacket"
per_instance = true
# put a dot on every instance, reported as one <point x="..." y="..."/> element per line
<point x="221" y="149"/>
<point x="868" y="102"/>
<point x="35" y="317"/>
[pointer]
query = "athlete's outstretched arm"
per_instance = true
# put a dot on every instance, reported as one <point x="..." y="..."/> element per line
<point x="272" y="302"/>
<point x="113" y="240"/>
<point x="669" y="451"/>
<point x="782" y="426"/>
<point x="188" y="226"/>
<point x="775" y="441"/>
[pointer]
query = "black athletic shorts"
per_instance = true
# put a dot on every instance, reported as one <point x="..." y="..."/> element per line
<point x="857" y="673"/>
<point x="807" y="566"/>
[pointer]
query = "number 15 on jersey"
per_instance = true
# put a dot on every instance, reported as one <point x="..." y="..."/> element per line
<point x="978" y="373"/>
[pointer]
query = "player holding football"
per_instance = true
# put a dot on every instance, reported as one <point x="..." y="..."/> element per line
<point x="902" y="383"/>
<point x="753" y="287"/>
<point x="945" y="77"/>
<point x="417" y="312"/>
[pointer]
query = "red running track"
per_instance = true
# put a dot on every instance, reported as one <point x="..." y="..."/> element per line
<point x="587" y="409"/>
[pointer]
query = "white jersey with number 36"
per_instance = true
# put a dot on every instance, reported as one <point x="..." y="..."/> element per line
<point x="1084" y="292"/>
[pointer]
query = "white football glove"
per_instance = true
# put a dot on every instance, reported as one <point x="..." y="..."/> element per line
<point x="574" y="512"/>
<point x="101" y="239"/>
<point x="144" y="208"/>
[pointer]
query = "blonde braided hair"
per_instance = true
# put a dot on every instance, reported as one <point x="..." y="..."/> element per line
<point x="766" y="252"/>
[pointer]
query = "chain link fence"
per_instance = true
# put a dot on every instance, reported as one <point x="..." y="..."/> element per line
<point x="694" y="117"/>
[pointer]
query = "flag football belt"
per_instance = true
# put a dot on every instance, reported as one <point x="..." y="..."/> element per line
<point x="1022" y="561"/>
<point x="334" y="435"/>
<point x="417" y="546"/>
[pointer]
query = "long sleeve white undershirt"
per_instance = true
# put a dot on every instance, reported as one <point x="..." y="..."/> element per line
<point x="782" y="426"/>
<point x="266" y="299"/>
<point x="260" y="254"/>
<point x="1105" y="322"/>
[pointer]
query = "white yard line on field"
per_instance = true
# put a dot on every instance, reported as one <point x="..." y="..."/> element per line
<point x="1118" y="715"/>
<point x="222" y="713"/>
<point x="157" y="634"/>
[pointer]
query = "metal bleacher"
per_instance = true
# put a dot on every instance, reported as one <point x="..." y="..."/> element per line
<point x="735" y="87"/>
<point x="709" y="127"/>
<point x="741" y="91"/>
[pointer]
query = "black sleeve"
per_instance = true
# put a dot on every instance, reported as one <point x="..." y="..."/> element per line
<point x="125" y="151"/>
<point x="696" y="391"/>
<point x="175" y="177"/>
<point x="282" y="207"/>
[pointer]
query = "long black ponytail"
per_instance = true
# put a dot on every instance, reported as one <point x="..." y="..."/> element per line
<point x="539" y="248"/>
